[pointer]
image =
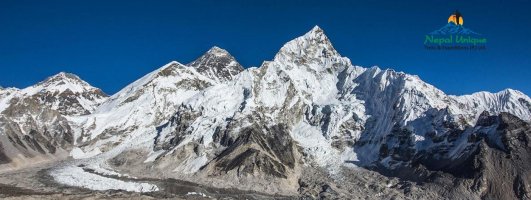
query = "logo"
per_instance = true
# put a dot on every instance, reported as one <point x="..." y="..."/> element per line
<point x="454" y="36"/>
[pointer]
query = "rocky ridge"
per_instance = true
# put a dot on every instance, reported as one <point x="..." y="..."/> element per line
<point x="266" y="128"/>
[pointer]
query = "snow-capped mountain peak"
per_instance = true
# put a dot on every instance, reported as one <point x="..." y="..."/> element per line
<point x="309" y="107"/>
<point x="150" y="100"/>
<point x="508" y="100"/>
<point x="217" y="64"/>
<point x="41" y="115"/>
<point x="316" y="33"/>
<point x="64" y="81"/>
<point x="66" y="93"/>
<point x="217" y="51"/>
<point x="312" y="45"/>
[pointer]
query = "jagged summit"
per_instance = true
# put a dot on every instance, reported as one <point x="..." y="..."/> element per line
<point x="506" y="100"/>
<point x="66" y="93"/>
<point x="65" y="75"/>
<point x="217" y="64"/>
<point x="62" y="76"/>
<point x="217" y="51"/>
<point x="313" y="44"/>
<point x="316" y="31"/>
<point x="64" y="81"/>
<point x="511" y="91"/>
<point x="271" y="128"/>
<point x="503" y="95"/>
<point x="213" y="52"/>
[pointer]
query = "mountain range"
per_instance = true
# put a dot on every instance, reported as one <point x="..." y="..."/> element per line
<point x="307" y="124"/>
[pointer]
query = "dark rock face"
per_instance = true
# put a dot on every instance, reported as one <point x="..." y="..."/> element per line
<point x="270" y="152"/>
<point x="4" y="159"/>
<point x="180" y="122"/>
<point x="43" y="131"/>
<point x="493" y="161"/>
<point x="33" y="125"/>
<point x="524" y="102"/>
<point x="217" y="64"/>
<point x="69" y="101"/>
<point x="504" y="172"/>
<point x="258" y="149"/>
<point x="404" y="150"/>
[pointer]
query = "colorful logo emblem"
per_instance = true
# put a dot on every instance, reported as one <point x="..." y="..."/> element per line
<point x="454" y="36"/>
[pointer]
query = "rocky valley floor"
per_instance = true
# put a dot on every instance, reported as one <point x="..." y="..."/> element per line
<point x="38" y="182"/>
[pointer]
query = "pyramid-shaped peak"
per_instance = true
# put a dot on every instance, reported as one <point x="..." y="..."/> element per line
<point x="316" y="30"/>
<point x="66" y="93"/>
<point x="65" y="75"/>
<point x="217" y="51"/>
<point x="317" y="35"/>
<point x="214" y="53"/>
<point x="313" y="44"/>
<point x="218" y="64"/>
<point x="63" y="81"/>
<point x="62" y="77"/>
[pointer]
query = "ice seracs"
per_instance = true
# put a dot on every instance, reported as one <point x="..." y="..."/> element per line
<point x="151" y="101"/>
<point x="76" y="176"/>
<point x="213" y="122"/>
<point x="308" y="86"/>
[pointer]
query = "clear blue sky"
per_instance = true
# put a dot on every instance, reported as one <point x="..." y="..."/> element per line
<point x="111" y="43"/>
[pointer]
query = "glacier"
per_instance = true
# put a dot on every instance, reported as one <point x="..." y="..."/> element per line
<point x="216" y="123"/>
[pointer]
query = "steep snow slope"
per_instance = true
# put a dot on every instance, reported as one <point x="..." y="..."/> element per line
<point x="398" y="101"/>
<point x="6" y="94"/>
<point x="35" y="122"/>
<point x="63" y="92"/>
<point x="278" y="92"/>
<point x="308" y="86"/>
<point x="152" y="100"/>
<point x="509" y="100"/>
<point x="215" y="123"/>
<point x="336" y="113"/>
<point x="67" y="93"/>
